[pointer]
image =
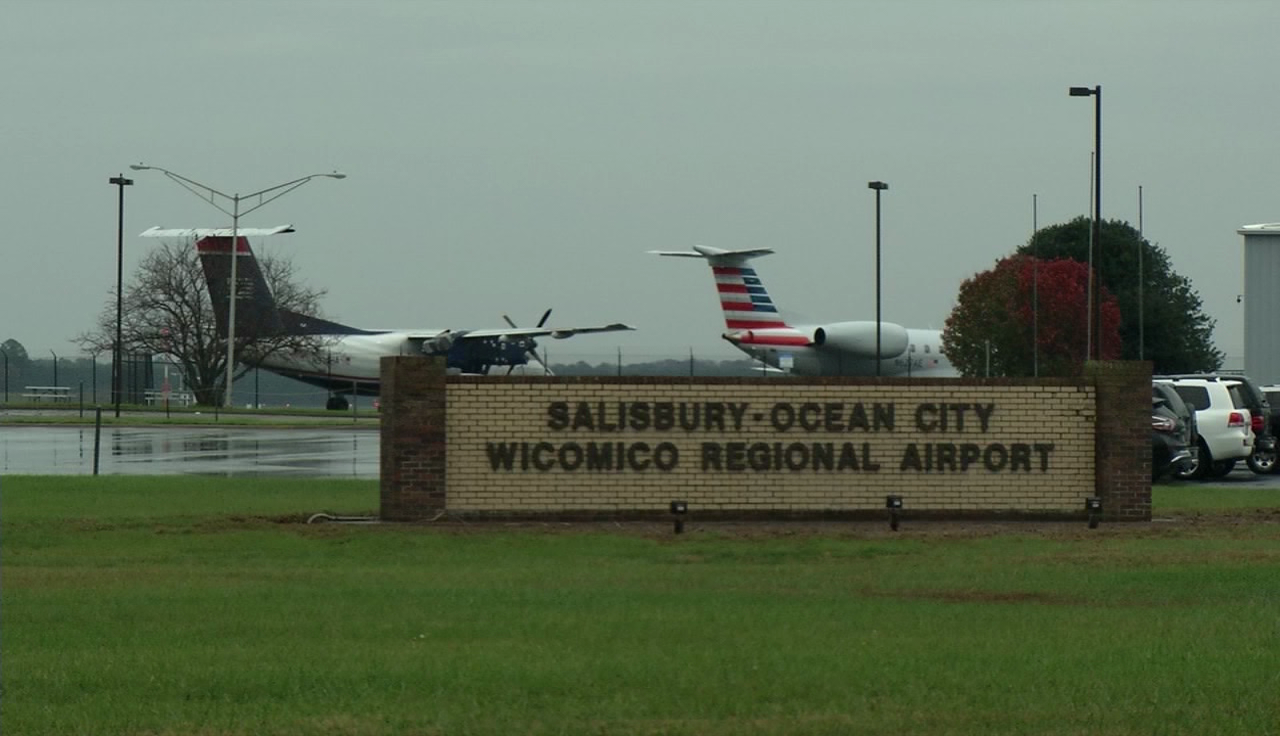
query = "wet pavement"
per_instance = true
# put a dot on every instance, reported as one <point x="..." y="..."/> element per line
<point x="239" y="451"/>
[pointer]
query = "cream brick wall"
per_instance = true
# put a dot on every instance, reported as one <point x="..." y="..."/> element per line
<point x="484" y="414"/>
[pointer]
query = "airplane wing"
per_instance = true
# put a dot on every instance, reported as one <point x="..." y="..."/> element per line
<point x="557" y="332"/>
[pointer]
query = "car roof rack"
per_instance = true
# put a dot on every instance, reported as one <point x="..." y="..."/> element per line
<point x="1201" y="376"/>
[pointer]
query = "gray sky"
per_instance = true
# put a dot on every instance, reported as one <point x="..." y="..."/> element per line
<point x="506" y="157"/>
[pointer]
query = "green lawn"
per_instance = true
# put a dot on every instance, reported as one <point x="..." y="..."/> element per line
<point x="201" y="606"/>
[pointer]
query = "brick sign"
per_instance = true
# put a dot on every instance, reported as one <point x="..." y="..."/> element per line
<point x="559" y="447"/>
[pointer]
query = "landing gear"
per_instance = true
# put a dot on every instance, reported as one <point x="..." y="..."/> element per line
<point x="337" y="402"/>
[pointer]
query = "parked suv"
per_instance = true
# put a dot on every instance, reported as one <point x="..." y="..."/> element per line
<point x="1263" y="459"/>
<point x="1174" y="441"/>
<point x="1272" y="392"/>
<point x="1223" y="422"/>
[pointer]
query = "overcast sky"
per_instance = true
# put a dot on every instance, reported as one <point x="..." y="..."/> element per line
<point x="507" y="157"/>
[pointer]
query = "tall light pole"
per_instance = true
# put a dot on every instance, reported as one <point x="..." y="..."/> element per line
<point x="120" y="182"/>
<point x="879" y="186"/>
<point x="211" y="195"/>
<point x="1035" y="288"/>
<point x="6" y="375"/>
<point x="1095" y="293"/>
<point x="1142" y="245"/>
<point x="55" y="366"/>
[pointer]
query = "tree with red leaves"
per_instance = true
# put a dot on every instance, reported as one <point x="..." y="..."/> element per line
<point x="993" y="328"/>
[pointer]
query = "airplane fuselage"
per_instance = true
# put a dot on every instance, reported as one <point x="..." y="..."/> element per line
<point x="345" y="364"/>
<point x="351" y="363"/>
<point x="913" y="352"/>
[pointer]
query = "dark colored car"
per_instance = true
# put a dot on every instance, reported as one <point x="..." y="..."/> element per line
<point x="1272" y="393"/>
<point x="1264" y="456"/>
<point x="1174" y="443"/>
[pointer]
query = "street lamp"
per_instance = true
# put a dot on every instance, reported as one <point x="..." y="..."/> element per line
<point x="1094" y="300"/>
<point x="210" y="195"/>
<point x="55" y="366"/>
<point x="6" y="375"/>
<point x="879" y="186"/>
<point x="1142" y="245"/>
<point x="120" y="182"/>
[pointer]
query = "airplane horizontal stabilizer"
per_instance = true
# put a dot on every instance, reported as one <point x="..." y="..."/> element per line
<point x="213" y="232"/>
<point x="712" y="254"/>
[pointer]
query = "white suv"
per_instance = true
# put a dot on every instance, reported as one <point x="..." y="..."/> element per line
<point x="1223" y="421"/>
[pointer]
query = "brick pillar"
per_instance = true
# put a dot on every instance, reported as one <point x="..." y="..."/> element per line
<point x="1122" y="438"/>
<point x="413" y="483"/>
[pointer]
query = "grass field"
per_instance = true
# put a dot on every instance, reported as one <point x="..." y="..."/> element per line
<point x="202" y="606"/>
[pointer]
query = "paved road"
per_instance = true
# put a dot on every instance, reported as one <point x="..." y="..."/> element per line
<point x="1241" y="477"/>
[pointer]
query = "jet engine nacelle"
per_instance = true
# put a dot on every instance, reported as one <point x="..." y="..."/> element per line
<point x="859" y="339"/>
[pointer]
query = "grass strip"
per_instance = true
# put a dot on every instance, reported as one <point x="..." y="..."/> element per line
<point x="198" y="605"/>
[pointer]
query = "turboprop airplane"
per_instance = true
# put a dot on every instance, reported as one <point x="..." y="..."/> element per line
<point x="829" y="349"/>
<point x="347" y="360"/>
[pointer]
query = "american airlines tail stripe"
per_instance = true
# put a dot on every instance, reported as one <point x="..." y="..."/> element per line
<point x="773" y="340"/>
<point x="752" y="324"/>
<point x="754" y="317"/>
<point x="741" y="289"/>
<point x="745" y="307"/>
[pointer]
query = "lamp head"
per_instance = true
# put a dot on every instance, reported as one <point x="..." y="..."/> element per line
<point x="877" y="185"/>
<point x="1081" y="91"/>
<point x="336" y="175"/>
<point x="139" y="167"/>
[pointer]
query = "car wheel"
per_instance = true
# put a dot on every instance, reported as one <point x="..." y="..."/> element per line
<point x="1220" y="468"/>
<point x="1262" y="462"/>
<point x="1195" y="468"/>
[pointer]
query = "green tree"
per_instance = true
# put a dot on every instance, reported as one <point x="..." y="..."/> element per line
<point x="993" y="327"/>
<point x="16" y="362"/>
<point x="1177" y="334"/>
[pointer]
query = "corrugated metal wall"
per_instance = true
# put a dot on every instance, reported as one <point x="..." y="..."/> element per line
<point x="1261" y="302"/>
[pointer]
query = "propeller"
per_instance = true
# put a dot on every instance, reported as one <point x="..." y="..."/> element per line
<point x="532" y="350"/>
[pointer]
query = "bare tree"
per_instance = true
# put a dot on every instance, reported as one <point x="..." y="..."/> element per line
<point x="168" y="311"/>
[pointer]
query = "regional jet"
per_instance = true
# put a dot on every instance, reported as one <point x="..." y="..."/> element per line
<point x="349" y="360"/>
<point x="754" y="326"/>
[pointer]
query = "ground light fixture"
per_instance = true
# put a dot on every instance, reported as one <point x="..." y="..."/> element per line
<point x="1093" y="505"/>
<point x="679" y="509"/>
<point x="894" y="504"/>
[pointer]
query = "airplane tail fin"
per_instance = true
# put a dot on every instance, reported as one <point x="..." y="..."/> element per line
<point x="743" y="299"/>
<point x="256" y="312"/>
